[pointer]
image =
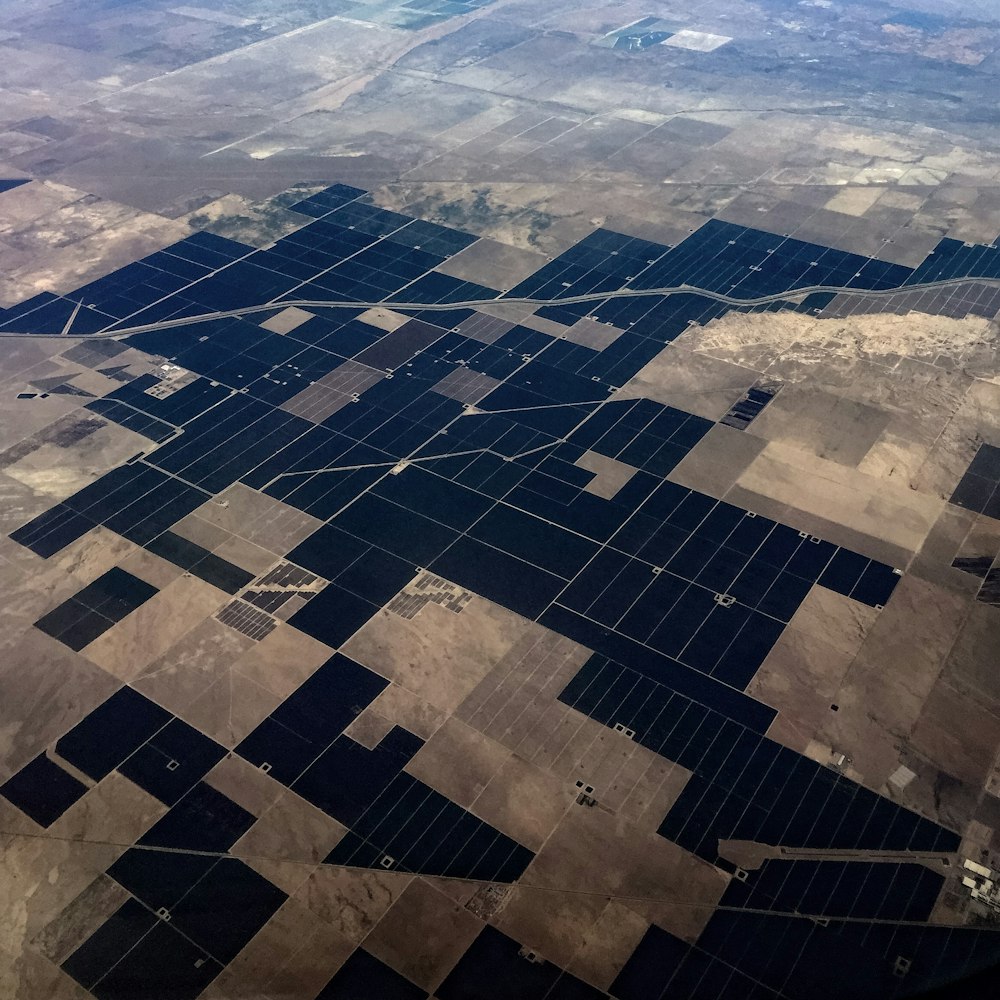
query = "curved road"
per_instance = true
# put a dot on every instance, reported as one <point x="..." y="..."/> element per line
<point x="622" y="293"/>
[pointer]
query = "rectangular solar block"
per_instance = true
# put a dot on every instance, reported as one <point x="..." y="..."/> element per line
<point x="348" y="778"/>
<point x="163" y="956"/>
<point x="974" y="492"/>
<point x="321" y="708"/>
<point x="130" y="923"/>
<point x="95" y="609"/>
<point x="200" y="562"/>
<point x="111" y="732"/>
<point x="51" y="531"/>
<point x="232" y="888"/>
<point x="333" y="615"/>
<point x="42" y="790"/>
<point x="396" y="529"/>
<point x="534" y="540"/>
<point x="499" y="577"/>
<point x="276" y="749"/>
<point x="363" y="976"/>
<point x="172" y="761"/>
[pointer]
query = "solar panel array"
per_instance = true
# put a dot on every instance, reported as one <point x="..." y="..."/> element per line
<point x="459" y="448"/>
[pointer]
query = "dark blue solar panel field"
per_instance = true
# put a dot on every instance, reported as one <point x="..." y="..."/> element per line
<point x="439" y="457"/>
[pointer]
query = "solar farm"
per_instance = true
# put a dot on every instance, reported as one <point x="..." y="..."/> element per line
<point x="499" y="501"/>
<point x="407" y="589"/>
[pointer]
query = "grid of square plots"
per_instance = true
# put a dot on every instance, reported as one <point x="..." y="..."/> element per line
<point x="727" y="600"/>
<point x="679" y="694"/>
<point x="626" y="440"/>
<point x="141" y="501"/>
<point x="695" y="530"/>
